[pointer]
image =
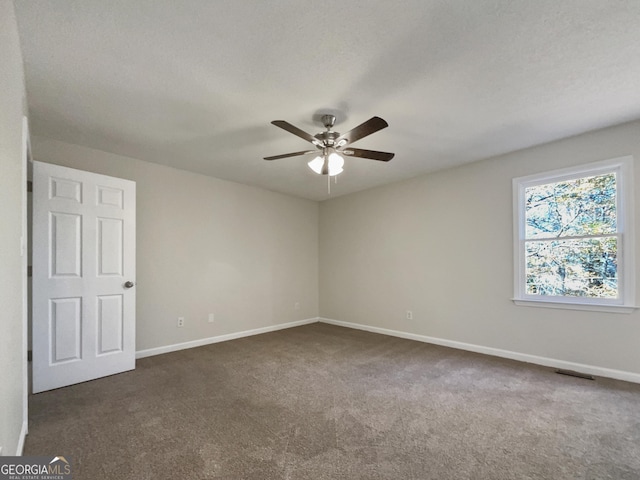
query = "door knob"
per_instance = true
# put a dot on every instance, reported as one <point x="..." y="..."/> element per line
<point x="128" y="284"/>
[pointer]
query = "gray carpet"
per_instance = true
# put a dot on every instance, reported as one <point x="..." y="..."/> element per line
<point x="324" y="402"/>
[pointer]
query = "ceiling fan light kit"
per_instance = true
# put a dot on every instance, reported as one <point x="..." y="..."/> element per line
<point x="330" y="160"/>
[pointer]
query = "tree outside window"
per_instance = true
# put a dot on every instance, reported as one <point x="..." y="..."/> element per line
<point x="571" y="238"/>
<point x="573" y="230"/>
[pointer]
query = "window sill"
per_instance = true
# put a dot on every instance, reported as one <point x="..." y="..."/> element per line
<point x="576" y="306"/>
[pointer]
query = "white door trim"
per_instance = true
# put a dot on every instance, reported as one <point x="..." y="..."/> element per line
<point x="26" y="158"/>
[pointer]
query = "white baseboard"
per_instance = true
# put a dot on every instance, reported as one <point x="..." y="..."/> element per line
<point x="23" y="436"/>
<point x="496" y="352"/>
<point x="221" y="338"/>
<point x="522" y="357"/>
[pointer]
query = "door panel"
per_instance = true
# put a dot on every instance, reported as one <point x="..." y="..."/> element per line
<point x="83" y="253"/>
<point x="66" y="245"/>
<point x="110" y="247"/>
<point x="67" y="189"/>
<point x="112" y="197"/>
<point x="110" y="322"/>
<point x="66" y="328"/>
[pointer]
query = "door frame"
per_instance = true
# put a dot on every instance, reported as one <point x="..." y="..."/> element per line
<point x="24" y="252"/>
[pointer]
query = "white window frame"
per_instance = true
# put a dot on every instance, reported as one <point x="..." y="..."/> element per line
<point x="625" y="303"/>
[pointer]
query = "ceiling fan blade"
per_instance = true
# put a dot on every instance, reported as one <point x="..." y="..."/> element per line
<point x="372" y="125"/>
<point x="296" y="131"/>
<point x="371" y="154"/>
<point x="287" y="155"/>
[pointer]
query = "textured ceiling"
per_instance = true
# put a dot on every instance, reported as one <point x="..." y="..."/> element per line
<point x="194" y="84"/>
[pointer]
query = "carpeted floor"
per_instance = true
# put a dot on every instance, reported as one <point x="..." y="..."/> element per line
<point x="324" y="402"/>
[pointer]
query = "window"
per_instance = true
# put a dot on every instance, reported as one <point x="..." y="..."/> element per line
<point x="573" y="235"/>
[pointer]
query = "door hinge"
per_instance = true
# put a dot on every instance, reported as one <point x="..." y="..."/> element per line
<point x="29" y="186"/>
<point x="29" y="271"/>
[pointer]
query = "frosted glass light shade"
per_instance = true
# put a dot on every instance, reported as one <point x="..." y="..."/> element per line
<point x="336" y="164"/>
<point x="316" y="164"/>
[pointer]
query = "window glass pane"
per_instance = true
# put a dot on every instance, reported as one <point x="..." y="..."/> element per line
<point x="582" y="206"/>
<point x="573" y="268"/>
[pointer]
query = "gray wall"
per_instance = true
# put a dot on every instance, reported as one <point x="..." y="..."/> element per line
<point x="441" y="245"/>
<point x="11" y="273"/>
<point x="206" y="245"/>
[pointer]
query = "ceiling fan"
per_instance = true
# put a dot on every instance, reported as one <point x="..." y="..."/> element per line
<point x="332" y="146"/>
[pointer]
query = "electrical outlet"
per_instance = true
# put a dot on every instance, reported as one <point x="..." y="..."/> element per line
<point x="409" y="315"/>
<point x="212" y="318"/>
<point x="180" y="321"/>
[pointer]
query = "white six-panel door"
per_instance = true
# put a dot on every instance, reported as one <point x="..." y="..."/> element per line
<point x="83" y="259"/>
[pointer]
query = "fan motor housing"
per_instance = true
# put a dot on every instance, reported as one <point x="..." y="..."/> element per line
<point x="328" y="137"/>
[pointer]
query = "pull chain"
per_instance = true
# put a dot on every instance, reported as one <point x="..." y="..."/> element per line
<point x="335" y="180"/>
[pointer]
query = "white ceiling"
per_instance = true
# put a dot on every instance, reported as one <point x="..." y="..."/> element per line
<point x="194" y="83"/>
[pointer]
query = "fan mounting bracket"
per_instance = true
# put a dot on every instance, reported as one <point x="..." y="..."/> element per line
<point x="328" y="121"/>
